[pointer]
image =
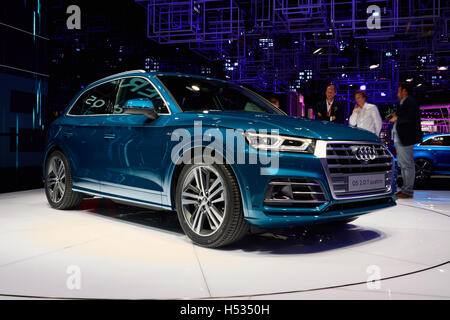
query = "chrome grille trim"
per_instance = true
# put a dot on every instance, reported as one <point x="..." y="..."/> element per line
<point x="352" y="157"/>
<point x="358" y="165"/>
<point x="280" y="201"/>
<point x="294" y="183"/>
<point x="339" y="164"/>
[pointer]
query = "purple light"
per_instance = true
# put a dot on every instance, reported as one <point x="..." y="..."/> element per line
<point x="435" y="107"/>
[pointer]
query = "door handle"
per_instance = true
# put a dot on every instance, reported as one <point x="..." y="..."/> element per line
<point x="109" y="136"/>
<point x="67" y="134"/>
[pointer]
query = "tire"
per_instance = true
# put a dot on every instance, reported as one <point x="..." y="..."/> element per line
<point x="58" y="183"/>
<point x="424" y="169"/>
<point x="210" y="218"/>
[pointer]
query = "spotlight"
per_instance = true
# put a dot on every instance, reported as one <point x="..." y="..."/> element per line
<point x="195" y="88"/>
<point x="409" y="80"/>
<point x="419" y="85"/>
<point x="374" y="66"/>
<point x="443" y="68"/>
<point x="317" y="51"/>
<point x="383" y="94"/>
<point x="362" y="87"/>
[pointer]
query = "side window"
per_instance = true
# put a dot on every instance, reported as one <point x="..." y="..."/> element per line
<point x="97" y="100"/>
<point x="447" y="141"/>
<point x="435" y="141"/>
<point x="138" y="88"/>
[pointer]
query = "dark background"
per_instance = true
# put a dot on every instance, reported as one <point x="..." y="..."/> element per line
<point x="43" y="64"/>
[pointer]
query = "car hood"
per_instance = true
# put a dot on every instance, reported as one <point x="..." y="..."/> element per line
<point x="287" y="125"/>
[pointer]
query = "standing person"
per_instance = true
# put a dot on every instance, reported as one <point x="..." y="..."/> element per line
<point x="365" y="115"/>
<point x="331" y="109"/>
<point x="406" y="132"/>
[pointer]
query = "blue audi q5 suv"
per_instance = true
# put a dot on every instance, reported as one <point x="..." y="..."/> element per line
<point x="220" y="155"/>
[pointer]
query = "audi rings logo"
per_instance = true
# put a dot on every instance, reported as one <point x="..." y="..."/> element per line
<point x="364" y="153"/>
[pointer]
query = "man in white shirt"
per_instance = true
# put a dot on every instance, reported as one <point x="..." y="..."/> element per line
<point x="365" y="115"/>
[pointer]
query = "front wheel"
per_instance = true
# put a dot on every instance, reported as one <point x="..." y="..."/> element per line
<point x="209" y="205"/>
<point x="424" y="169"/>
<point x="58" y="183"/>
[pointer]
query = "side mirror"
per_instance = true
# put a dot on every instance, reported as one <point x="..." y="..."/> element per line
<point x="140" y="106"/>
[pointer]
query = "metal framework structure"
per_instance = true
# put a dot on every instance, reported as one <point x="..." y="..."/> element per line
<point x="436" y="118"/>
<point x="270" y="43"/>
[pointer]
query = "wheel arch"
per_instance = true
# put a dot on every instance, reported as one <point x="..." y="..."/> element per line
<point x="50" y="149"/>
<point x="47" y="153"/>
<point x="429" y="159"/>
<point x="179" y="165"/>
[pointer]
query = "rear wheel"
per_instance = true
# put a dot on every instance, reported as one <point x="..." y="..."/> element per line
<point x="209" y="205"/>
<point x="58" y="183"/>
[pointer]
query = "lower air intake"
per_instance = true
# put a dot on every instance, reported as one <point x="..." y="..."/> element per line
<point x="295" y="193"/>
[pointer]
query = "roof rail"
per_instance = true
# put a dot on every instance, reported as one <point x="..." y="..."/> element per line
<point x="122" y="74"/>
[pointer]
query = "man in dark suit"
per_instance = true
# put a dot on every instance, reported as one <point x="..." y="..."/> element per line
<point x="330" y="109"/>
<point x="406" y="133"/>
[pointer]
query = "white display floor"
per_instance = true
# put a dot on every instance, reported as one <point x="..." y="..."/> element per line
<point x="106" y="250"/>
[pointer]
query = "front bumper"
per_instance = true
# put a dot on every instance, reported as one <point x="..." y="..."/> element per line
<point x="254" y="181"/>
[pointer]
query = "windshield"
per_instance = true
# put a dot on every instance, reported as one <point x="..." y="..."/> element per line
<point x="197" y="94"/>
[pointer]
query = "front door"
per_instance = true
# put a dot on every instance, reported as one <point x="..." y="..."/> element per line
<point x="136" y="145"/>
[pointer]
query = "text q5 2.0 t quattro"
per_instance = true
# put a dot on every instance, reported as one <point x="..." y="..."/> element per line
<point x="220" y="155"/>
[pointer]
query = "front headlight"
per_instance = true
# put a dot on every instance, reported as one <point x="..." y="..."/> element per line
<point x="274" y="142"/>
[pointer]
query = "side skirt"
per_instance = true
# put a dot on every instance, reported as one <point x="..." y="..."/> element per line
<point x="117" y="199"/>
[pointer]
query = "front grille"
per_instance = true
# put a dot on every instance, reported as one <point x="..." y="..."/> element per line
<point x="295" y="193"/>
<point x="341" y="163"/>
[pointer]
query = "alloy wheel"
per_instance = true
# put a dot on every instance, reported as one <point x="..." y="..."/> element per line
<point x="56" y="179"/>
<point x="424" y="169"/>
<point x="203" y="200"/>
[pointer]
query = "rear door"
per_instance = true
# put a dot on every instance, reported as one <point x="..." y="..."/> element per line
<point x="84" y="134"/>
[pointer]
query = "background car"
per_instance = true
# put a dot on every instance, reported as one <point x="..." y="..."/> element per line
<point x="432" y="156"/>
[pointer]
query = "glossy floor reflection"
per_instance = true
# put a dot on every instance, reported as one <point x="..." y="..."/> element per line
<point x="283" y="241"/>
<point x="127" y="252"/>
